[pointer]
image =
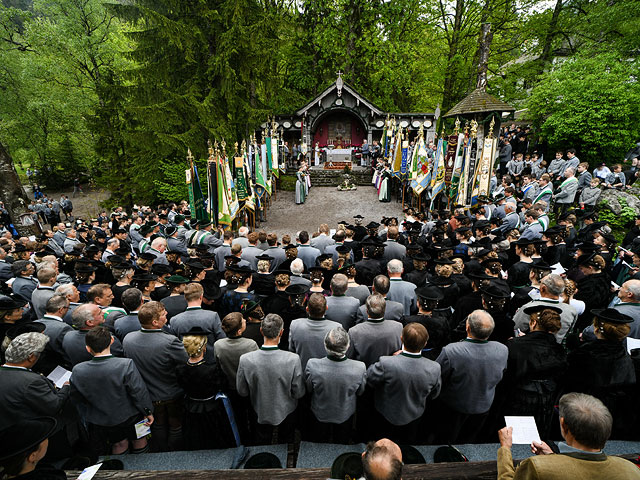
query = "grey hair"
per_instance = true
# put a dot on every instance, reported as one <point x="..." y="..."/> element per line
<point x="297" y="266"/>
<point x="336" y="342"/>
<point x="112" y="241"/>
<point x="243" y="231"/>
<point x="56" y="302"/>
<point x="81" y="316"/>
<point x="481" y="324"/>
<point x="376" y="305"/>
<point x="339" y="284"/>
<point x="271" y="326"/>
<point x="570" y="170"/>
<point x="587" y="418"/>
<point x="158" y="241"/>
<point x="554" y="284"/>
<point x="66" y="289"/>
<point x="634" y="287"/>
<point x="394" y="266"/>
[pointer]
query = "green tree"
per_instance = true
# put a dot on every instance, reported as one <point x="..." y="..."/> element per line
<point x="591" y="103"/>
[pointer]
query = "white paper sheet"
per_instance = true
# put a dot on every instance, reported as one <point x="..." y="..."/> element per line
<point x="525" y="430"/>
<point x="632" y="343"/>
<point x="89" y="472"/>
<point x="142" y="430"/>
<point x="59" y="376"/>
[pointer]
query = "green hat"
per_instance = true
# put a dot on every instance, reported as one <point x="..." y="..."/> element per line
<point x="177" y="279"/>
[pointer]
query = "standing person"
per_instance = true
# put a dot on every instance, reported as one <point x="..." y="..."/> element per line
<point x="403" y="384"/>
<point x="505" y="155"/>
<point x="76" y="187"/>
<point x="566" y="193"/>
<point x="157" y="354"/>
<point x="384" y="192"/>
<point x="301" y="189"/>
<point x="334" y="383"/>
<point x="272" y="378"/>
<point x="471" y="369"/>
<point x="112" y="397"/>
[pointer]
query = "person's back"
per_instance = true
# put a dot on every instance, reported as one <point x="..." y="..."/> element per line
<point x="375" y="337"/>
<point x="229" y="350"/>
<point x="156" y="353"/>
<point x="271" y="377"/>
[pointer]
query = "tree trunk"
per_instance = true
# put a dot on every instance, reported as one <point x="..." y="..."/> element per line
<point x="545" y="57"/>
<point x="13" y="195"/>
<point x="452" y="72"/>
<point x="484" y="48"/>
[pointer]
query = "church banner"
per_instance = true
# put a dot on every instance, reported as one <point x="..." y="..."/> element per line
<point x="405" y="152"/>
<point x="438" y="175"/>
<point x="274" y="157"/>
<point x="231" y="190"/>
<point x="450" y="159"/>
<point x="241" y="183"/>
<point x="485" y="166"/>
<point x="457" y="166"/>
<point x="470" y="172"/>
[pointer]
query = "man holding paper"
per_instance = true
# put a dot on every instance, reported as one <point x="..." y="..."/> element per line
<point x="585" y="424"/>
<point x="111" y="397"/>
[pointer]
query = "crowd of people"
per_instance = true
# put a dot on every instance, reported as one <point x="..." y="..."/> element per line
<point x="424" y="330"/>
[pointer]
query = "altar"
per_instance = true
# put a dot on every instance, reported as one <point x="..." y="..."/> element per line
<point x="338" y="154"/>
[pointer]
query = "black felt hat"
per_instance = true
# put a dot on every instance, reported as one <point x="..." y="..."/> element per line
<point x="195" y="264"/>
<point x="372" y="225"/>
<point x="264" y="256"/>
<point x="282" y="271"/>
<point x="161" y="268"/>
<point x="540" y="264"/>
<point x="443" y="261"/>
<point x="170" y="230"/>
<point x="297" y="289"/>
<point x="25" y="435"/>
<point x="429" y="292"/>
<point x="11" y="302"/>
<point x="28" y="327"/>
<point x="587" y="260"/>
<point x="262" y="460"/>
<point x="495" y="291"/>
<point x="197" y="330"/>
<point x="611" y="315"/>
<point x="540" y="308"/>
<point x="347" y="465"/>
<point x="411" y="455"/>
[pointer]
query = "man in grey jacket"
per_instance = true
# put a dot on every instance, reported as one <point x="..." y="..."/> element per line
<point x="55" y="328"/>
<point x="471" y="369"/>
<point x="376" y="337"/>
<point x="392" y="311"/>
<point x="272" y="378"/>
<point x="393" y="249"/>
<point x="400" y="290"/>
<point x="306" y="335"/>
<point x="25" y="394"/>
<point x="334" y="383"/>
<point x="340" y="308"/>
<point x="195" y="316"/>
<point x="403" y="384"/>
<point x="156" y="355"/>
<point x="323" y="240"/>
<point x="566" y="193"/>
<point x="44" y="291"/>
<point x="111" y="397"/>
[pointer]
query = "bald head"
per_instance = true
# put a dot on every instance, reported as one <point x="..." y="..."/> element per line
<point x="480" y="325"/>
<point x="630" y="291"/>
<point x="382" y="460"/>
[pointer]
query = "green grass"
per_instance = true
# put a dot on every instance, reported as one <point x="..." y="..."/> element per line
<point x="287" y="183"/>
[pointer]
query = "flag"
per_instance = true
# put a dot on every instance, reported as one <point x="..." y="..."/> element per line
<point x="196" y="199"/>
<point x="396" y="165"/>
<point x="485" y="165"/>
<point x="249" y="202"/>
<point x="212" y="191"/>
<point x="450" y="158"/>
<point x="471" y="170"/>
<point x="420" y="168"/>
<point x="269" y="154"/>
<point x="224" y="212"/>
<point x="231" y="190"/>
<point x="241" y="181"/>
<point x="383" y="140"/>
<point x="457" y="166"/>
<point x="264" y="165"/>
<point x="274" y="157"/>
<point x="437" y="177"/>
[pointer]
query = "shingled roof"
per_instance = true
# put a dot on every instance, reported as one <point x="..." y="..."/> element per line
<point x="479" y="101"/>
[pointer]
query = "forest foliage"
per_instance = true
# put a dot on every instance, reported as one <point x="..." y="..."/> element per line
<point x="117" y="91"/>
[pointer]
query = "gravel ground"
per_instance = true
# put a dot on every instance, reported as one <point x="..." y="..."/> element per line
<point x="327" y="205"/>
